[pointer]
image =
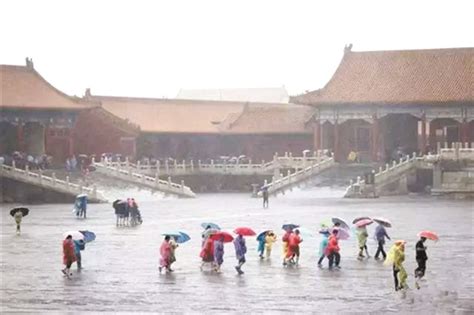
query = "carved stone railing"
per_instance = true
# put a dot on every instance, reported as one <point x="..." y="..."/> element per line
<point x="50" y="182"/>
<point x="176" y="168"/>
<point x="291" y="180"/>
<point x="143" y="180"/>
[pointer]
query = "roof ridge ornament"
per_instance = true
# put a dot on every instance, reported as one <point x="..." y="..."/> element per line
<point x="29" y="63"/>
<point x="348" y="48"/>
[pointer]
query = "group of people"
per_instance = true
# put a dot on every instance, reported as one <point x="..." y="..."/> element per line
<point x="127" y="212"/>
<point x="23" y="159"/>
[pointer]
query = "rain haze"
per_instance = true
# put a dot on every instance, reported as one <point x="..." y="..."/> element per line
<point x="236" y="156"/>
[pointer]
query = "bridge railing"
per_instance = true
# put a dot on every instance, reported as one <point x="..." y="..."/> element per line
<point x="457" y="151"/>
<point x="291" y="179"/>
<point x="189" y="167"/>
<point x="37" y="178"/>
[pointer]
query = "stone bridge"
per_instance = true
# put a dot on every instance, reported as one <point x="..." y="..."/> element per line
<point x="453" y="172"/>
<point x="50" y="183"/>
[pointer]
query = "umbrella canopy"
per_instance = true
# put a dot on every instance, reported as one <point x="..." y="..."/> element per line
<point x="214" y="226"/>
<point x="23" y="210"/>
<point x="289" y="226"/>
<point x="383" y="221"/>
<point x="75" y="235"/>
<point x="81" y="196"/>
<point x="358" y="219"/>
<point x="341" y="223"/>
<point x="429" y="235"/>
<point x="88" y="236"/>
<point x="208" y="232"/>
<point x="244" y="231"/>
<point x="222" y="234"/>
<point x="364" y="222"/>
<point x="179" y="236"/>
<point x="342" y="234"/>
<point x="261" y="236"/>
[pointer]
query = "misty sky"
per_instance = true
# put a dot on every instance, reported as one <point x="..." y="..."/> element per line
<point x="154" y="48"/>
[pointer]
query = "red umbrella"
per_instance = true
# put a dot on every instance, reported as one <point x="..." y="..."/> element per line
<point x="244" y="231"/>
<point x="222" y="234"/>
<point x="429" y="235"/>
<point x="363" y="222"/>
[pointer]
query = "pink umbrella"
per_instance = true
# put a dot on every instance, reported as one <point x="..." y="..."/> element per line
<point x="429" y="235"/>
<point x="364" y="222"/>
<point x="342" y="234"/>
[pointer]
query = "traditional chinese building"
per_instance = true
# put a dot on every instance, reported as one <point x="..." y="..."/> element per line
<point x="380" y="101"/>
<point x="201" y="129"/>
<point x="37" y="118"/>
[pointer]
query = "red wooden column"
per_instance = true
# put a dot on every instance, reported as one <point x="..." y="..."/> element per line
<point x="20" y="136"/>
<point x="464" y="131"/>
<point x="317" y="135"/>
<point x="422" y="145"/>
<point x="375" y="137"/>
<point x="336" y="141"/>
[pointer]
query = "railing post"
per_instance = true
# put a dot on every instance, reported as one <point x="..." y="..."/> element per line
<point x="289" y="176"/>
<point x="387" y="166"/>
<point x="184" y="165"/>
<point x="456" y="150"/>
<point x="358" y="180"/>
<point x="438" y="147"/>
<point x="138" y="165"/>
<point x="54" y="178"/>
<point x="199" y="164"/>
<point x="169" y="182"/>
<point x="212" y="163"/>
<point x="13" y="164"/>
<point x="127" y="163"/>
<point x="182" y="186"/>
<point x="380" y="169"/>
<point x="27" y="170"/>
<point x="68" y="184"/>
<point x="394" y="163"/>
<point x="250" y="161"/>
<point x="192" y="165"/>
<point x="167" y="167"/>
<point x="175" y="165"/>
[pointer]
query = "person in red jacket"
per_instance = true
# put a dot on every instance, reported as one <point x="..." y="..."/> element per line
<point x="207" y="252"/>
<point x="294" y="241"/>
<point x="69" y="256"/>
<point x="332" y="250"/>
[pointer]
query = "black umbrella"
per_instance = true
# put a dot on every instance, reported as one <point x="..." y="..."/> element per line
<point x="24" y="211"/>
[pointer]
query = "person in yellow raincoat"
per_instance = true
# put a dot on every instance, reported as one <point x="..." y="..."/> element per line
<point x="396" y="257"/>
<point x="270" y="238"/>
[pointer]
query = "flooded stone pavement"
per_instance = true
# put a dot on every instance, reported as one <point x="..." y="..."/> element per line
<point x="120" y="268"/>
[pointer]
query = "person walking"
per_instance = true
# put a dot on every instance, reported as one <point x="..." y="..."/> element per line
<point x="362" y="236"/>
<point x="261" y="245"/>
<point x="322" y="246"/>
<point x="293" y="255"/>
<point x="285" y="238"/>
<point x="332" y="250"/>
<point x="240" y="251"/>
<point x="173" y="247"/>
<point x="380" y="235"/>
<point x="78" y="246"/>
<point x="265" y="197"/>
<point x="69" y="256"/>
<point x="270" y="238"/>
<point x="207" y="251"/>
<point x="421" y="258"/>
<point x="18" y="217"/>
<point x="218" y="253"/>
<point x="165" y="253"/>
<point x="396" y="257"/>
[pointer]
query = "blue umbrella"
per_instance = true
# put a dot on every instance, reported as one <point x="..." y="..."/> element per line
<point x="261" y="236"/>
<point x="214" y="226"/>
<point x="289" y="226"/>
<point x="179" y="236"/>
<point x="88" y="236"/>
